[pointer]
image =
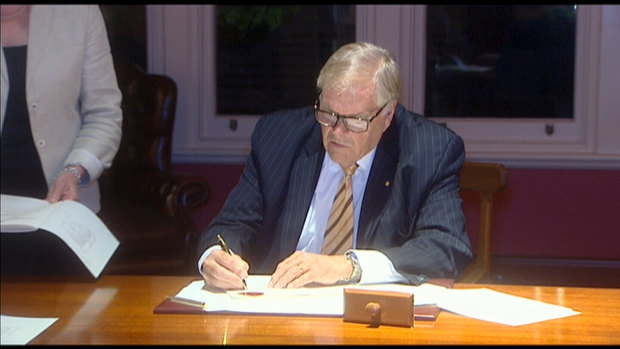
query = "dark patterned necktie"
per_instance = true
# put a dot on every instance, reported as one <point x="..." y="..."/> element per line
<point x="339" y="233"/>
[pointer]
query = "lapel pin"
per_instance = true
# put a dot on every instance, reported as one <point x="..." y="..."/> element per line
<point x="387" y="183"/>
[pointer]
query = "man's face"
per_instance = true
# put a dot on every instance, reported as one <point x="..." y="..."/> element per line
<point x="347" y="147"/>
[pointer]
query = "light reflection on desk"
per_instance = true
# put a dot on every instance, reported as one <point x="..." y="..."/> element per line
<point x="96" y="303"/>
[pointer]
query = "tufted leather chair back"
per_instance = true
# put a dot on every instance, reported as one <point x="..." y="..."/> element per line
<point x="147" y="207"/>
<point x="148" y="143"/>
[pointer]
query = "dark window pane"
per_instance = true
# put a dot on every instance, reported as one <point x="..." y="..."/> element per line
<point x="500" y="61"/>
<point x="268" y="57"/>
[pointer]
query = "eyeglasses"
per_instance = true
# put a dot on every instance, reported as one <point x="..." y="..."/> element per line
<point x="352" y="123"/>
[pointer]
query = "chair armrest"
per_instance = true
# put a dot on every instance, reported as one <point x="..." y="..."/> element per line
<point x="189" y="191"/>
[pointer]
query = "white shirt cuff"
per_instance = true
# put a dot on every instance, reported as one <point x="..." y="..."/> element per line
<point x="377" y="268"/>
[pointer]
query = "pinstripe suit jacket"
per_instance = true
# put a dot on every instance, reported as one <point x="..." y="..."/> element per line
<point x="411" y="209"/>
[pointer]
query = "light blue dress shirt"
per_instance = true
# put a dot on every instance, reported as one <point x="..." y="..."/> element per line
<point x="376" y="267"/>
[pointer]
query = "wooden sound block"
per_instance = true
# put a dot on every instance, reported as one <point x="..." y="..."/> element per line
<point x="378" y="307"/>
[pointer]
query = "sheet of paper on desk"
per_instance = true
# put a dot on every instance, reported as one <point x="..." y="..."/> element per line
<point x="71" y="221"/>
<point x="324" y="301"/>
<point x="489" y="305"/>
<point x="18" y="330"/>
<point x="296" y="301"/>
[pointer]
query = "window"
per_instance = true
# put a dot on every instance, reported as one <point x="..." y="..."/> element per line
<point x="582" y="141"/>
<point x="268" y="57"/>
<point x="182" y="44"/>
<point x="500" y="61"/>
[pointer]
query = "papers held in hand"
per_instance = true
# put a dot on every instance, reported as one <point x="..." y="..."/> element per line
<point x="71" y="221"/>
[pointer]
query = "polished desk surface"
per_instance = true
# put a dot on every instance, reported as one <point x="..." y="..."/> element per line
<point x="119" y="310"/>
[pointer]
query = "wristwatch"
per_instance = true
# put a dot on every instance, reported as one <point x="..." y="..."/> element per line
<point x="356" y="276"/>
<point x="75" y="172"/>
<point x="73" y="169"/>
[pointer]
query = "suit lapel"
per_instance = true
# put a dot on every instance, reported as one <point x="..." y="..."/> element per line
<point x="379" y="185"/>
<point x="304" y="176"/>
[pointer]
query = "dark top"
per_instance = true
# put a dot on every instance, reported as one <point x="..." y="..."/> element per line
<point x="22" y="173"/>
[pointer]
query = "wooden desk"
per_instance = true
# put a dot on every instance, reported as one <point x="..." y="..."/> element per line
<point x="119" y="310"/>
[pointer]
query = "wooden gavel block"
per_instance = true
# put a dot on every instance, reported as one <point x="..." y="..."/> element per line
<point x="378" y="307"/>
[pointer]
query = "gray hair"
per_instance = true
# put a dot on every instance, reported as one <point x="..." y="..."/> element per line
<point x="361" y="62"/>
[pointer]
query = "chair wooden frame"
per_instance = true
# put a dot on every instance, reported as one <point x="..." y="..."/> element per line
<point x="486" y="179"/>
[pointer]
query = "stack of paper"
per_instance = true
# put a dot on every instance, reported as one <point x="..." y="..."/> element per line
<point x="481" y="303"/>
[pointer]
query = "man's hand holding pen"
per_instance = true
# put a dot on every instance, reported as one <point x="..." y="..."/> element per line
<point x="224" y="271"/>
<point x="225" y="248"/>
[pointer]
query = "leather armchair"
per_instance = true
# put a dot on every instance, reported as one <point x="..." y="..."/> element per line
<point x="148" y="208"/>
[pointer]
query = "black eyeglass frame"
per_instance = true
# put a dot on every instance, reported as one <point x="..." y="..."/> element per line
<point x="344" y="118"/>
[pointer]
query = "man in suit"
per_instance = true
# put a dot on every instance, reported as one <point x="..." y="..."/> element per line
<point x="408" y="222"/>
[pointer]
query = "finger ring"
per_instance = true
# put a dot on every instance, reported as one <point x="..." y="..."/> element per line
<point x="300" y="268"/>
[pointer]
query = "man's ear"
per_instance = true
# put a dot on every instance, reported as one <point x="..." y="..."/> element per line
<point x="389" y="110"/>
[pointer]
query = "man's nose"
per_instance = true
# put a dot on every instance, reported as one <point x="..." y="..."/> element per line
<point x="340" y="126"/>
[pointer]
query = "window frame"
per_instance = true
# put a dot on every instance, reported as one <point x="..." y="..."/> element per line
<point x="201" y="136"/>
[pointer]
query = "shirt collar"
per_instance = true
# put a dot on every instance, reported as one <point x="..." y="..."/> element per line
<point x="364" y="163"/>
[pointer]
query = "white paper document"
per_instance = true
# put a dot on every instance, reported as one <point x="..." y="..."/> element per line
<point x="324" y="301"/>
<point x="21" y="330"/>
<point x="301" y="301"/>
<point x="483" y="304"/>
<point x="71" y="221"/>
<point x="494" y="306"/>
